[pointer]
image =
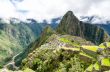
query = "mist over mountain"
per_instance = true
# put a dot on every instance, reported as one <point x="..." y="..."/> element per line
<point x="101" y="22"/>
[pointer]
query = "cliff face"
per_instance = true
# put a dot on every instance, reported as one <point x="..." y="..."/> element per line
<point x="71" y="25"/>
<point x="106" y="27"/>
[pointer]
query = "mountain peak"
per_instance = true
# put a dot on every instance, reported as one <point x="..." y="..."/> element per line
<point x="69" y="19"/>
<point x="69" y="13"/>
<point x="71" y="25"/>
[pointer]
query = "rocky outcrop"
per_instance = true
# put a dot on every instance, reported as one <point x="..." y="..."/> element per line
<point x="71" y="25"/>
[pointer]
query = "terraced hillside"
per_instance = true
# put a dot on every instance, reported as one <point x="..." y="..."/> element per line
<point x="56" y="52"/>
<point x="62" y="53"/>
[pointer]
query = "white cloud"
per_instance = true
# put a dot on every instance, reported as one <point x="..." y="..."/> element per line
<point x="47" y="9"/>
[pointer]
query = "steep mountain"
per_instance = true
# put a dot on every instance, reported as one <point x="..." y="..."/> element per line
<point x="101" y="22"/>
<point x="15" y="36"/>
<point x="71" y="25"/>
<point x="106" y="27"/>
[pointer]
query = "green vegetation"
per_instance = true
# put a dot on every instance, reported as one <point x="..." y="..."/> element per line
<point x="91" y="48"/>
<point x="14" y="38"/>
<point x="86" y="55"/>
<point x="54" y="56"/>
<point x="61" y="53"/>
<point x="104" y="45"/>
<point x="69" y="42"/>
<point x="90" y="68"/>
<point x="53" y="61"/>
<point x="97" y="66"/>
<point x="105" y="62"/>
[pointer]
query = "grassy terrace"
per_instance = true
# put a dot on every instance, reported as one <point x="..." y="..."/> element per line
<point x="103" y="46"/>
<point x="72" y="49"/>
<point x="91" y="48"/>
<point x="65" y="40"/>
<point x="84" y="54"/>
<point x="105" y="62"/>
<point x="108" y="44"/>
<point x="90" y="68"/>
<point x="97" y="66"/>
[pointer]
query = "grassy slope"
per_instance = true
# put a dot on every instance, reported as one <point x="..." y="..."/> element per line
<point x="63" y="53"/>
<point x="52" y="56"/>
<point x="14" y="38"/>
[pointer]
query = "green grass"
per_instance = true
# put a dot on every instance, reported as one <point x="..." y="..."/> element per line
<point x="108" y="44"/>
<point x="105" y="62"/>
<point x="90" y="68"/>
<point x="91" y="48"/>
<point x="64" y="40"/>
<point x="69" y="42"/>
<point x="84" y="54"/>
<point x="72" y="49"/>
<point x="97" y="66"/>
<point x="102" y="45"/>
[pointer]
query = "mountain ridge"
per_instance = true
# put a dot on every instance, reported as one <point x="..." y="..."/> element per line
<point x="71" y="25"/>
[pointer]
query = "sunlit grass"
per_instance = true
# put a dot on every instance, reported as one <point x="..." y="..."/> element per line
<point x="97" y="66"/>
<point x="103" y="46"/>
<point x="90" y="68"/>
<point x="86" y="55"/>
<point x="91" y="48"/>
<point x="105" y="62"/>
<point x="73" y="49"/>
<point x="69" y="42"/>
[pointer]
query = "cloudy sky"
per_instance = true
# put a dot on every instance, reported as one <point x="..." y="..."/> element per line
<point x="47" y="9"/>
